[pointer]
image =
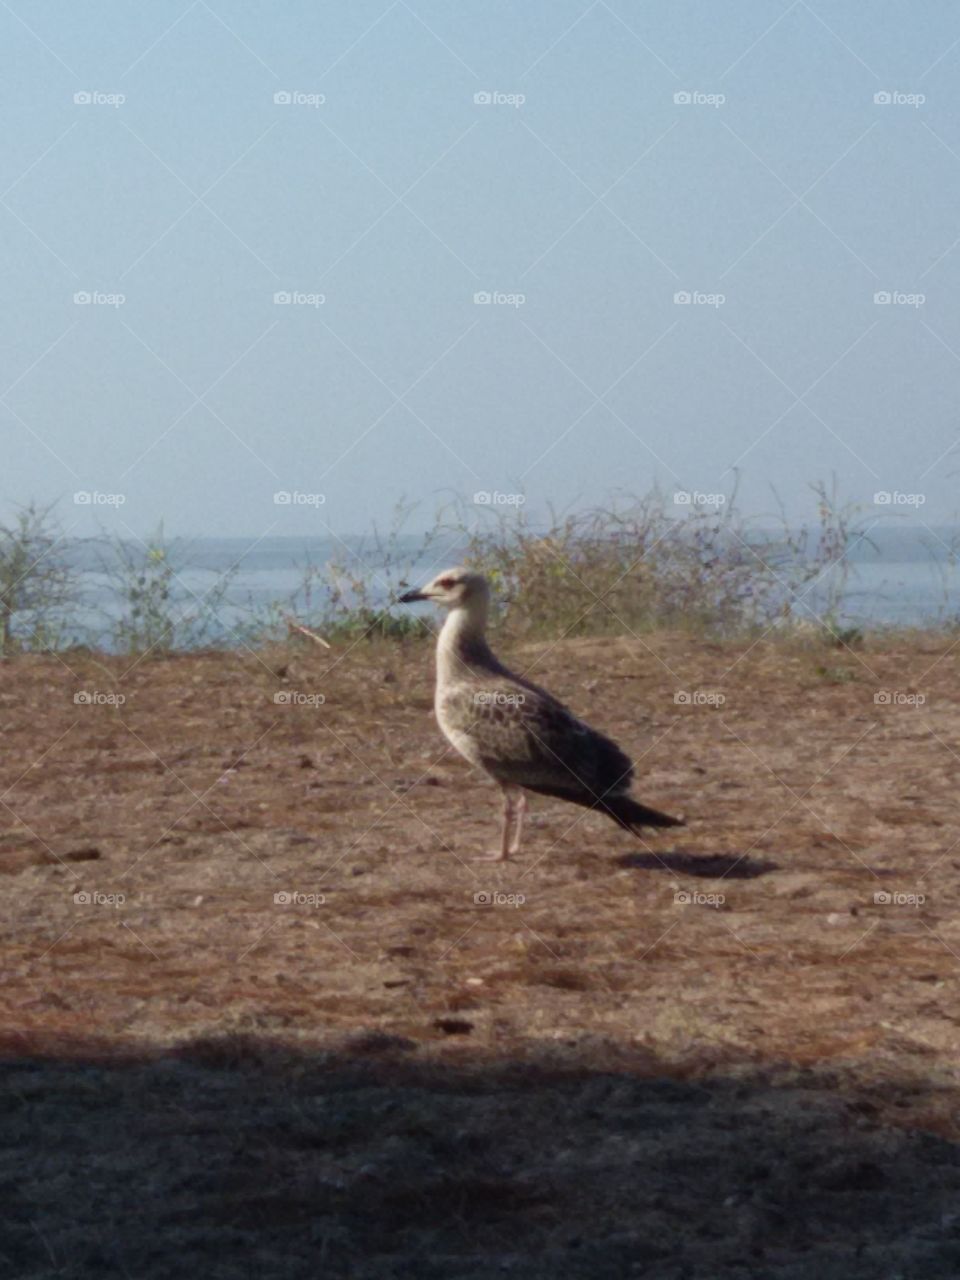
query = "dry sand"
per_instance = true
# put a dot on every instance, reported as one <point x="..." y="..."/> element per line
<point x="716" y="1053"/>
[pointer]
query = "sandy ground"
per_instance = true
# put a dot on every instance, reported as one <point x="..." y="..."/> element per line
<point x="727" y="1051"/>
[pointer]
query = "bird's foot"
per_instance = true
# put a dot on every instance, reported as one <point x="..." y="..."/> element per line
<point x="497" y="856"/>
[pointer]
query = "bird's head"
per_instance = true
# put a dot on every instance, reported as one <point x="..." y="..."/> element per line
<point x="454" y="589"/>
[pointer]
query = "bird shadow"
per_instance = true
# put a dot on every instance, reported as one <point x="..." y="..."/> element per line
<point x="732" y="866"/>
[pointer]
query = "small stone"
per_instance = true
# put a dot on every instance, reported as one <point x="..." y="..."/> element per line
<point x="89" y="853"/>
<point x="453" y="1026"/>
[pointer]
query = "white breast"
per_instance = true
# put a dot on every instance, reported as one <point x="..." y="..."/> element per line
<point x="460" y="741"/>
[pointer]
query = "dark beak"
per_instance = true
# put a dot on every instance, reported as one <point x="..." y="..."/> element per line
<point x="410" y="597"/>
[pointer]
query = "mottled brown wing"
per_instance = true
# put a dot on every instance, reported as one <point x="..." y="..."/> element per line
<point x="526" y="737"/>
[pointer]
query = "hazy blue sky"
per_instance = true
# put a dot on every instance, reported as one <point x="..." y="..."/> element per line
<point x="782" y="186"/>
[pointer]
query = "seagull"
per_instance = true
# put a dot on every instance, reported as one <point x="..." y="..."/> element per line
<point x="518" y="733"/>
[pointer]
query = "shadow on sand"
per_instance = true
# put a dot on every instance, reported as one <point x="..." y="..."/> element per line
<point x="710" y="866"/>
<point x="241" y="1158"/>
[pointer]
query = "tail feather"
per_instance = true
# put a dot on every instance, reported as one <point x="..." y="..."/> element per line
<point x="623" y="809"/>
<point x="632" y="815"/>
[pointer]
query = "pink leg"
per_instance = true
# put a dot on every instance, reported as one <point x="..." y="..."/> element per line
<point x="513" y="803"/>
<point x="519" y="809"/>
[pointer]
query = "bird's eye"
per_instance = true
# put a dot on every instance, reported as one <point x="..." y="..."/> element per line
<point x="447" y="583"/>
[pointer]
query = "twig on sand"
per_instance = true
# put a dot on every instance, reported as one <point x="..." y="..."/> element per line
<point x="294" y="625"/>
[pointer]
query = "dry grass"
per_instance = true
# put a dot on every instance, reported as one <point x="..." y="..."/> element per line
<point x="601" y="1081"/>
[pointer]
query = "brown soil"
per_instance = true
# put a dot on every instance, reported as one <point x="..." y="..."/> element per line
<point x="713" y="1053"/>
